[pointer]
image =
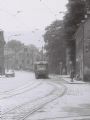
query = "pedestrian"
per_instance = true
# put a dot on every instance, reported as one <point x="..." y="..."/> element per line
<point x="72" y="75"/>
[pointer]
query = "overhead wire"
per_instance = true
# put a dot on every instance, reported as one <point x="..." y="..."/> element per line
<point x="50" y="10"/>
<point x="15" y="16"/>
<point x="18" y="11"/>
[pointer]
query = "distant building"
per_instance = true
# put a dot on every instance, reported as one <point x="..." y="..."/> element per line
<point x="2" y="43"/>
<point x="82" y="37"/>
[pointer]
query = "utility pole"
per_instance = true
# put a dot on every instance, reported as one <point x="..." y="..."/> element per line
<point x="60" y="65"/>
<point x="83" y="53"/>
<point x="42" y="54"/>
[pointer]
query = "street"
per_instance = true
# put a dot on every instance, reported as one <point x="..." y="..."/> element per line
<point x="45" y="60"/>
<point x="27" y="98"/>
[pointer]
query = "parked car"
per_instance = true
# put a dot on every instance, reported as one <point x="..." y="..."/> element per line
<point x="10" y="73"/>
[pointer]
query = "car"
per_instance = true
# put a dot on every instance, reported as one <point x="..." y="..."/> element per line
<point x="10" y="73"/>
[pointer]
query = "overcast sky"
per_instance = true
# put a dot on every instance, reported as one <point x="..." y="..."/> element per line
<point x="28" y="18"/>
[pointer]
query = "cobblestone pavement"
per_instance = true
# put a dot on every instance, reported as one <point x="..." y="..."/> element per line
<point x="74" y="105"/>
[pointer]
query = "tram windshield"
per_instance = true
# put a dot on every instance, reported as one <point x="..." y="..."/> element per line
<point x="41" y="67"/>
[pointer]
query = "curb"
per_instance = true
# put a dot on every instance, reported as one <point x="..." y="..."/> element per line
<point x="68" y="80"/>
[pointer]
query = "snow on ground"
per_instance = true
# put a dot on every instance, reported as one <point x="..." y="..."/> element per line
<point x="28" y="96"/>
<point x="21" y="78"/>
<point x="74" y="105"/>
<point x="21" y="89"/>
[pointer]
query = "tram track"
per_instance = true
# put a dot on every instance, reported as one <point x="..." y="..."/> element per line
<point x="8" y="91"/>
<point x="28" y="102"/>
<point x="73" y="117"/>
<point x="22" y="112"/>
<point x="17" y="88"/>
<point x="43" y="104"/>
<point x="19" y="91"/>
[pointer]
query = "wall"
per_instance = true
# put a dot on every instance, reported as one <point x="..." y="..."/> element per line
<point x="2" y="42"/>
<point x="82" y="37"/>
<point x="79" y="52"/>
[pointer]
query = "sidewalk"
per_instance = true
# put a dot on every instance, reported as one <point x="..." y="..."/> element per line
<point x="68" y="79"/>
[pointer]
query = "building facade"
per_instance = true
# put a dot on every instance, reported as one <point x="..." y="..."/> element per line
<point x="2" y="43"/>
<point x="82" y="37"/>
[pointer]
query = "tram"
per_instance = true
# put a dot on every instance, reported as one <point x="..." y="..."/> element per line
<point x="41" y="69"/>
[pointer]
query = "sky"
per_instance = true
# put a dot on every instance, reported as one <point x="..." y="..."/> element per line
<point x="25" y="20"/>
